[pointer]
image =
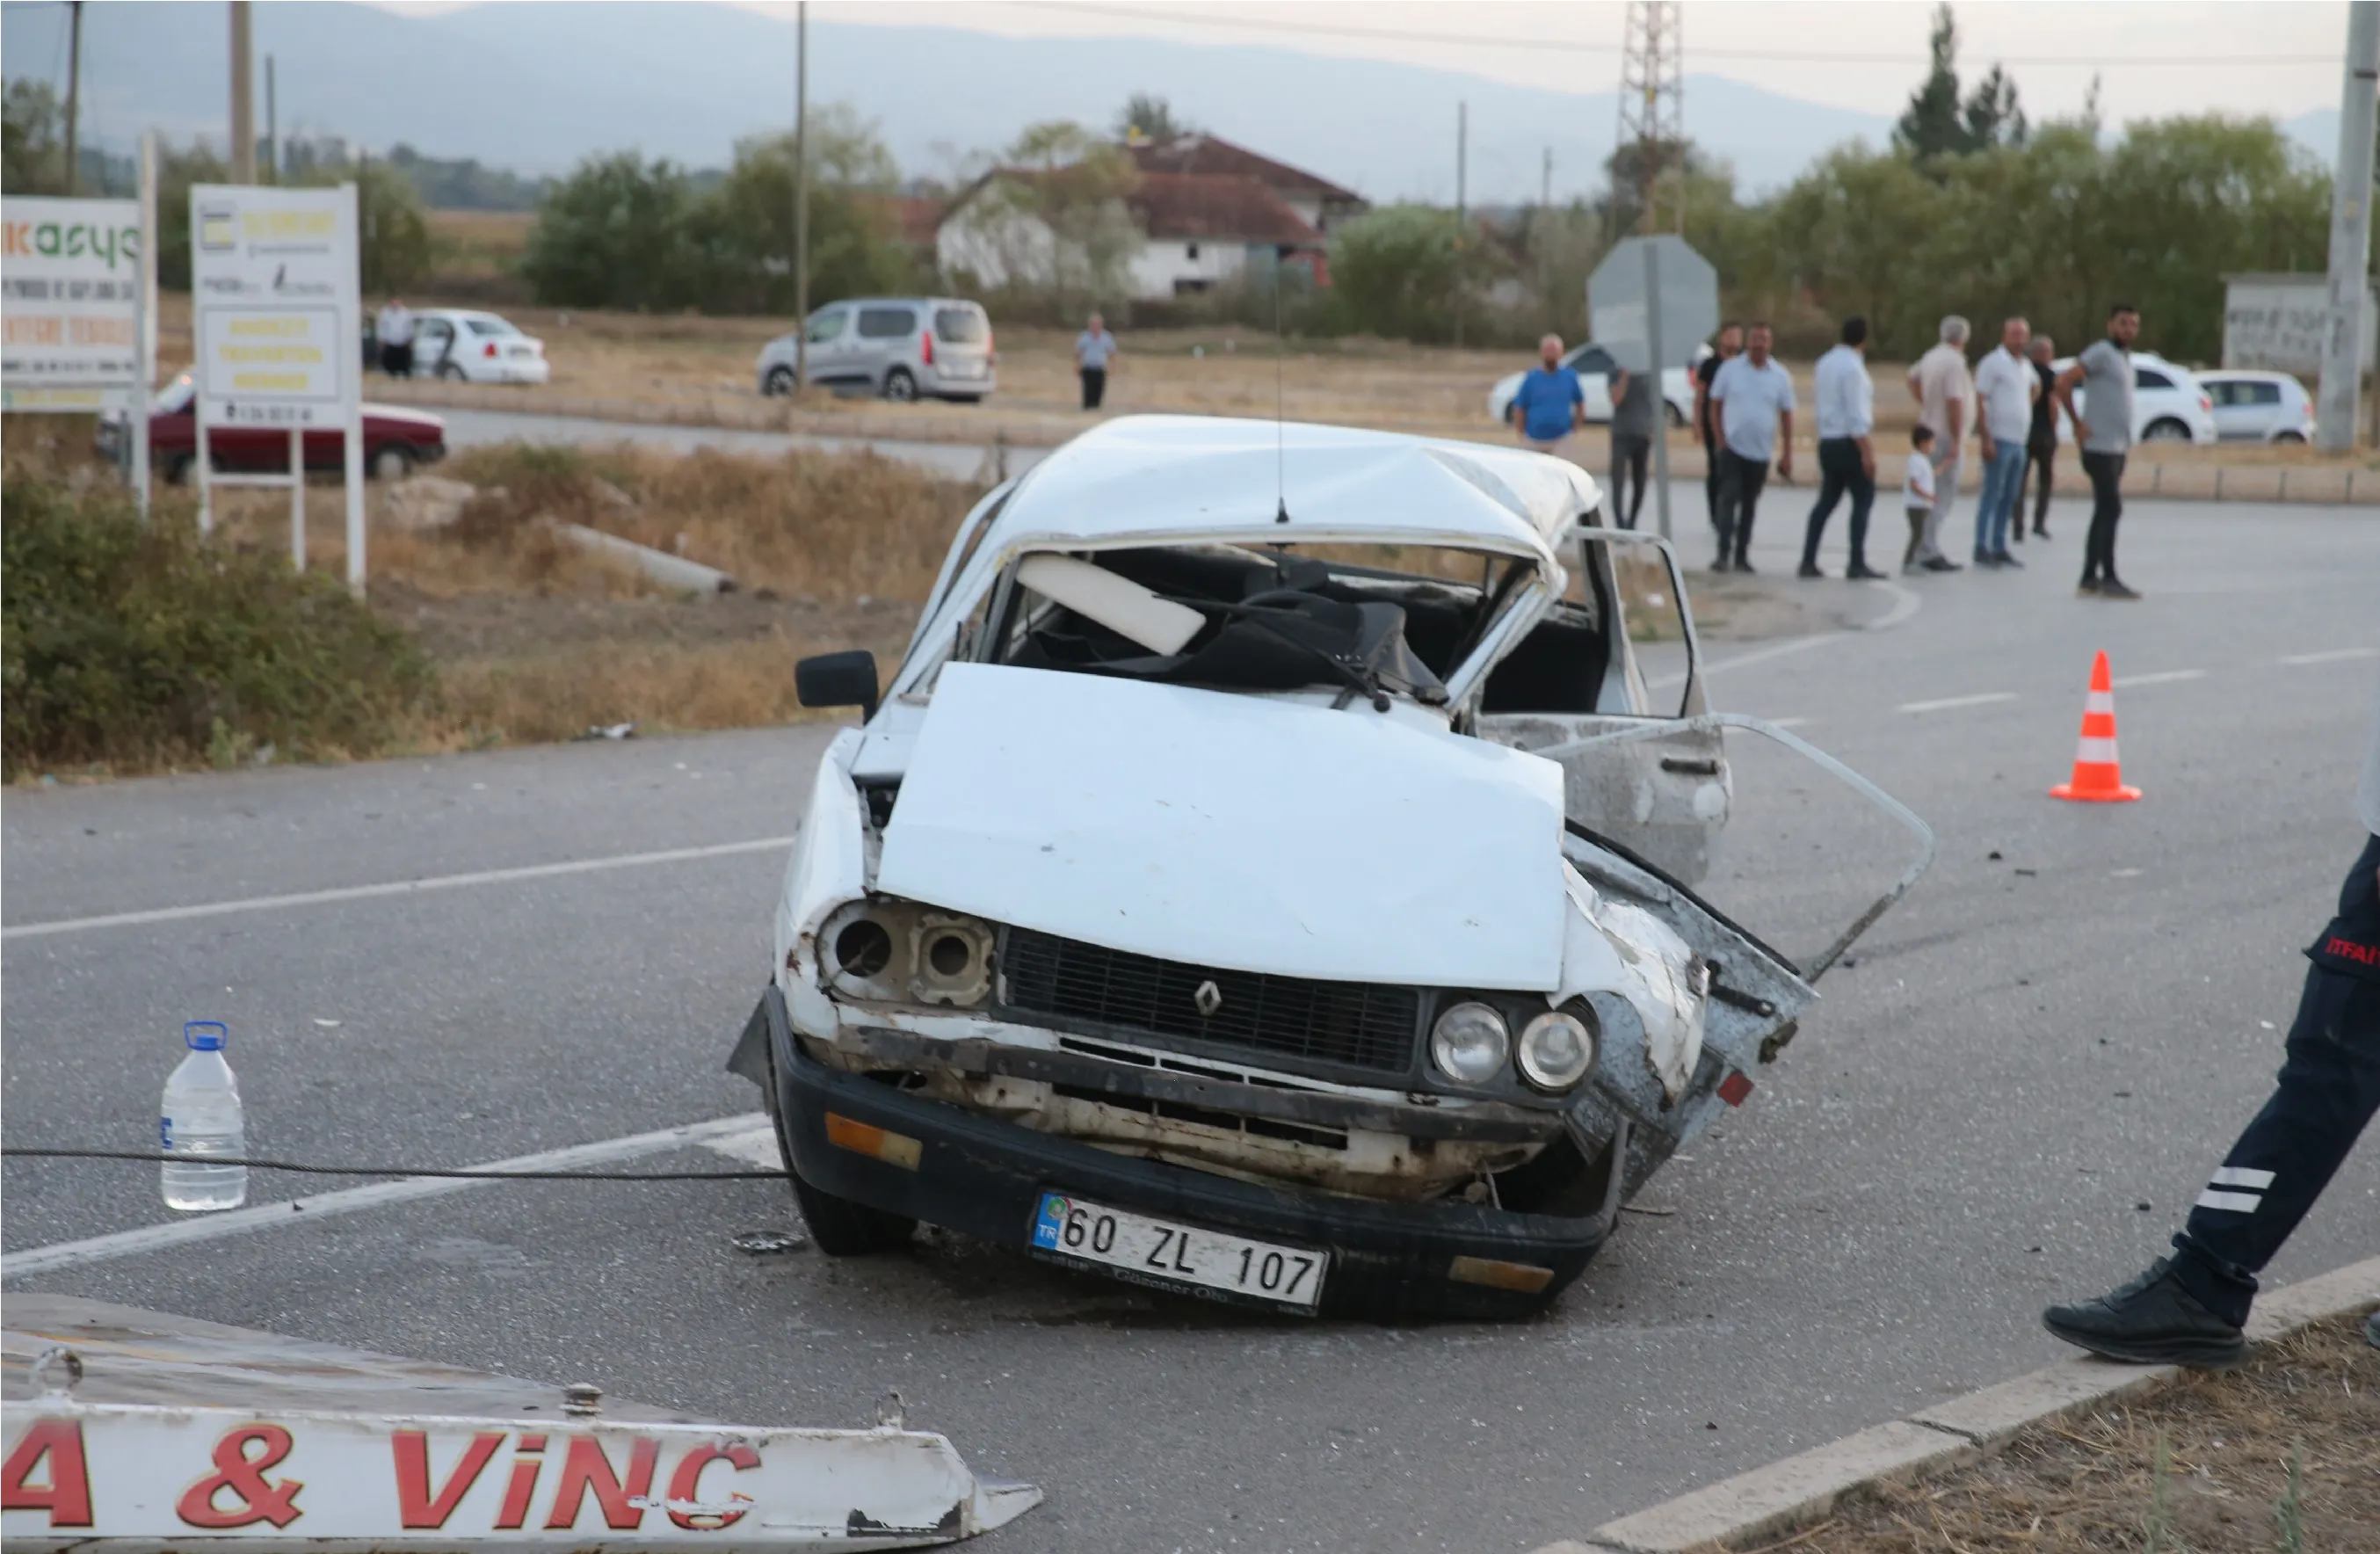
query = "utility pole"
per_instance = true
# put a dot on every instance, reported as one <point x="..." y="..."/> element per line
<point x="2350" y="234"/>
<point x="243" y="110"/>
<point x="1653" y="102"/>
<point x="74" y="95"/>
<point x="801" y="196"/>
<point x="1462" y="174"/>
<point x="272" y="127"/>
<point x="1545" y="180"/>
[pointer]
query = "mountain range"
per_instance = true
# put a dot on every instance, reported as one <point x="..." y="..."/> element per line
<point x="534" y="88"/>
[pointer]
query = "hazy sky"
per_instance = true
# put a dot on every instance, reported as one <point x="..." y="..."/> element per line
<point x="2281" y="57"/>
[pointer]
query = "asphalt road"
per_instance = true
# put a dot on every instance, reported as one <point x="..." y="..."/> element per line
<point x="958" y="461"/>
<point x="2064" y="1022"/>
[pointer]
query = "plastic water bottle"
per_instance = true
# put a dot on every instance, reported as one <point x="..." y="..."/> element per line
<point x="202" y="1116"/>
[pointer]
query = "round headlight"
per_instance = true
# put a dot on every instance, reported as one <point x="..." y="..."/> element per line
<point x="1470" y="1043"/>
<point x="1556" y="1050"/>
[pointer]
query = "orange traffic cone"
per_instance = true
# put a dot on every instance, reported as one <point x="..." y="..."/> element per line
<point x="2098" y="777"/>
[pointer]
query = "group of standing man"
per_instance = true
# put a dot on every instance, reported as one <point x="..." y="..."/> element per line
<point x="1743" y="411"/>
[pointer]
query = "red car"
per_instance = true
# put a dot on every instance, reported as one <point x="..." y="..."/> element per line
<point x="396" y="440"/>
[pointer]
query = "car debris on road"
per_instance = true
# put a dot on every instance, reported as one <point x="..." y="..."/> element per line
<point x="1193" y="909"/>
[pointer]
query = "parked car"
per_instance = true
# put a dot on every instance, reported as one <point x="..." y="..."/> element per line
<point x="1191" y="909"/>
<point x="396" y="440"/>
<point x="2169" y="403"/>
<point x="464" y="346"/>
<point x="2259" y="406"/>
<point x="900" y="347"/>
<point x="1595" y="366"/>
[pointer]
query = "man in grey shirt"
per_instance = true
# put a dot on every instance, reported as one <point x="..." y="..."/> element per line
<point x="2189" y="1308"/>
<point x="1632" y="395"/>
<point x="2103" y="425"/>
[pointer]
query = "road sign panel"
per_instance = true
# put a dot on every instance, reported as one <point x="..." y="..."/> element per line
<point x="1640" y="278"/>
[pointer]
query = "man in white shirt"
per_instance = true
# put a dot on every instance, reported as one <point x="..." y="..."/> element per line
<point x="2005" y="386"/>
<point x="1754" y="396"/>
<point x="393" y="330"/>
<point x="1940" y="385"/>
<point x="1846" y="399"/>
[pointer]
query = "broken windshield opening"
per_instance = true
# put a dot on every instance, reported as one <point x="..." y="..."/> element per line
<point x="1371" y="620"/>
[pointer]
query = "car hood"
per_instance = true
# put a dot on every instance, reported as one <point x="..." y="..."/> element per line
<point x="1232" y="830"/>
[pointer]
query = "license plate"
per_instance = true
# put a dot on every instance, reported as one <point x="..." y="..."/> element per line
<point x="967" y="370"/>
<point x="1178" y="1257"/>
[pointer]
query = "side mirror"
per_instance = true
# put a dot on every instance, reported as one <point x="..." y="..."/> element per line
<point x="844" y="679"/>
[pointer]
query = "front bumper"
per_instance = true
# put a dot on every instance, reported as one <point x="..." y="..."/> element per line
<point x="985" y="1177"/>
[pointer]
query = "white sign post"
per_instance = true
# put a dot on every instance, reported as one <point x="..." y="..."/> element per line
<point x="278" y="327"/>
<point x="70" y="306"/>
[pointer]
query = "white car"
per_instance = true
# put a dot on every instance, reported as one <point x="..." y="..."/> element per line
<point x="2169" y="403"/>
<point x="1595" y="366"/>
<point x="1193" y="906"/>
<point x="2259" y="406"/>
<point x="464" y="346"/>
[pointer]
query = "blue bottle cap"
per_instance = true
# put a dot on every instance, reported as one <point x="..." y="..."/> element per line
<point x="205" y="1036"/>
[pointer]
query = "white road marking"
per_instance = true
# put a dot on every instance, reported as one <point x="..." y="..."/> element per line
<point x="2335" y="655"/>
<point x="396" y="887"/>
<point x="754" y="1147"/>
<point x="1947" y="703"/>
<point x="305" y="1211"/>
<point x="2163" y="677"/>
<point x="1905" y="604"/>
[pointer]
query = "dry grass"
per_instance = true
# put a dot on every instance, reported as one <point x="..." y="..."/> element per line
<point x="2090" y="1484"/>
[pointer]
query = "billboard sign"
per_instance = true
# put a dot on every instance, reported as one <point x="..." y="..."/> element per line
<point x="275" y="306"/>
<point x="69" y="299"/>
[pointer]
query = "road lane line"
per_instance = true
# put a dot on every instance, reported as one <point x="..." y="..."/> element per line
<point x="1948" y="702"/>
<point x="396" y="887"/>
<point x="2335" y="655"/>
<point x="2162" y="677"/>
<point x="323" y="1205"/>
<point x="1905" y="604"/>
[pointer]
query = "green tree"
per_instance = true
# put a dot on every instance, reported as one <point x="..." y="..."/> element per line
<point x="1397" y="270"/>
<point x="1147" y="117"/>
<point x="1938" y="123"/>
<point x="743" y="226"/>
<point x="394" y="245"/>
<point x="615" y="233"/>
<point x="1856" y="230"/>
<point x="177" y="169"/>
<point x="1065" y="177"/>
<point x="32" y="132"/>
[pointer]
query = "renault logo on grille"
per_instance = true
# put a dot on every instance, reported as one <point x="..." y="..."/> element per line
<point x="1209" y="997"/>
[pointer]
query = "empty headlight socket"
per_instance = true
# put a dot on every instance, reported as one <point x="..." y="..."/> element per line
<point x="884" y="950"/>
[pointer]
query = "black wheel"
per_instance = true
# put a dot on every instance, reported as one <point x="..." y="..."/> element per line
<point x="2167" y="430"/>
<point x="779" y="381"/>
<point x="840" y="1227"/>
<point x="393" y="463"/>
<point x="2290" y="437"/>
<point x="178" y="471"/>
<point x="899" y="386"/>
<point x="1677" y="417"/>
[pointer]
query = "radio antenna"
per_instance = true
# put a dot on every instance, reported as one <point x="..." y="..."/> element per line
<point x="1279" y="459"/>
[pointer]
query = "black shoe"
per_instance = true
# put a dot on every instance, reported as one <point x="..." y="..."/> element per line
<point x="1985" y="558"/>
<point x="2040" y="532"/>
<point x="2114" y="590"/>
<point x="1861" y="572"/>
<point x="1741" y="564"/>
<point x="1942" y="563"/>
<point x="1720" y="565"/>
<point x="2087" y="588"/>
<point x="2152" y="1320"/>
<point x="2004" y="559"/>
<point x="1810" y="569"/>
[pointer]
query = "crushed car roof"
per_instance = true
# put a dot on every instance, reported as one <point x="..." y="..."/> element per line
<point x="1149" y="477"/>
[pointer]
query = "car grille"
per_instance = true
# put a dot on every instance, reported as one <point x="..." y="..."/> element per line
<point x="1358" y="1025"/>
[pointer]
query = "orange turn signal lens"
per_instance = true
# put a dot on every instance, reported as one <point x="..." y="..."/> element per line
<point x="1526" y="1278"/>
<point x="865" y="1138"/>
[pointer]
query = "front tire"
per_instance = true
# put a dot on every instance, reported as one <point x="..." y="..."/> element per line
<point x="2289" y="439"/>
<point x="2167" y="430"/>
<point x="391" y="463"/>
<point x="840" y="1227"/>
<point x="779" y="383"/>
<point x="900" y="387"/>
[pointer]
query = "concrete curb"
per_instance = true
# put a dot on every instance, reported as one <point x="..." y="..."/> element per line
<point x="1797" y="1491"/>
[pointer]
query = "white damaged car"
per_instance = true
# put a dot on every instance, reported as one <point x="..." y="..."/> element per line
<point x="1267" y="875"/>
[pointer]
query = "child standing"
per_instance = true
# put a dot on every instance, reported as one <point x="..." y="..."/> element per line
<point x="1917" y="492"/>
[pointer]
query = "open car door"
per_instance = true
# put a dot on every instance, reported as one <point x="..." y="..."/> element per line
<point x="1663" y="794"/>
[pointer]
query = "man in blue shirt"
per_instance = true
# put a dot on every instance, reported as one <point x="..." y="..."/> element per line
<point x="1550" y="403"/>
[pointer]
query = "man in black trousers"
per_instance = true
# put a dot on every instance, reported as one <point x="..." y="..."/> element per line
<point x="2189" y="1308"/>
<point x="1846" y="416"/>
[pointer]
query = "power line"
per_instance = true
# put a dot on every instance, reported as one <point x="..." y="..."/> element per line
<point x="1574" y="46"/>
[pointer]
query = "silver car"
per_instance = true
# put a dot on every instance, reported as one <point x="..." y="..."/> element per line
<point x="900" y="347"/>
<point x="2259" y="406"/>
